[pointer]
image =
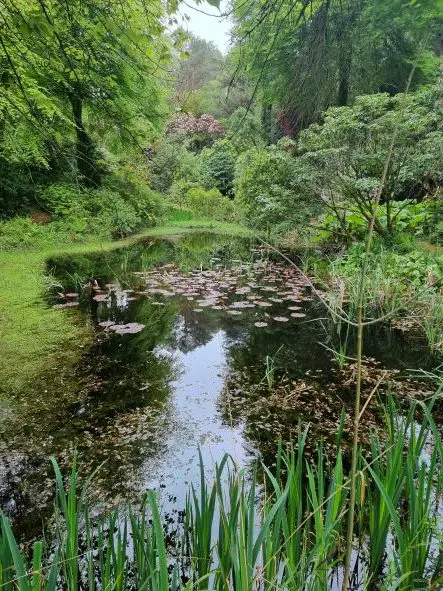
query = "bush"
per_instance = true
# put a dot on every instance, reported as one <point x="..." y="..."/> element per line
<point x="218" y="166"/>
<point x="199" y="132"/>
<point x="203" y="202"/>
<point x="346" y="155"/>
<point x="418" y="219"/>
<point x="79" y="213"/>
<point x="414" y="268"/>
<point x="169" y="161"/>
<point x="270" y="187"/>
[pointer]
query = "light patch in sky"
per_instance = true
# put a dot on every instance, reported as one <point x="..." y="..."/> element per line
<point x="212" y="28"/>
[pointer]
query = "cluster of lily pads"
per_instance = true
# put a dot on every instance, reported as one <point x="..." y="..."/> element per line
<point x="261" y="285"/>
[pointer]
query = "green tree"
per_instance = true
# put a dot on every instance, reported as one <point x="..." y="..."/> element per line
<point x="302" y="57"/>
<point x="198" y="65"/>
<point x="67" y="64"/>
<point x="345" y="156"/>
<point x="218" y="164"/>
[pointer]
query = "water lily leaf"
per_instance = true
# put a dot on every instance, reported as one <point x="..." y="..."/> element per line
<point x="130" y="328"/>
<point x="106" y="323"/>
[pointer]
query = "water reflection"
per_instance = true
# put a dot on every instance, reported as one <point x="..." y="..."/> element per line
<point x="143" y="403"/>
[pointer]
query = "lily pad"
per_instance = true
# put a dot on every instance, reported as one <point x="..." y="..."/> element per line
<point x="130" y="328"/>
<point x="107" y="323"/>
<point x="242" y="305"/>
<point x="243" y="290"/>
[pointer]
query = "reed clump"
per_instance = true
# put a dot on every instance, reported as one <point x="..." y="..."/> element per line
<point x="285" y="529"/>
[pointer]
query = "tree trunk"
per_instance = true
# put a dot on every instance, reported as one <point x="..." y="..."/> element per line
<point x="266" y="119"/>
<point x="85" y="149"/>
<point x="344" y="75"/>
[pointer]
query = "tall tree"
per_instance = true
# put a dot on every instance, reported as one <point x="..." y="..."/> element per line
<point x="199" y="63"/>
<point x="303" y="56"/>
<point x="65" y="62"/>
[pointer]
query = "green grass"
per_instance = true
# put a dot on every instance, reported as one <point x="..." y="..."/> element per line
<point x="292" y="538"/>
<point x="36" y="339"/>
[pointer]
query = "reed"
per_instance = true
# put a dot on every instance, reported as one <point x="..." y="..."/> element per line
<point x="241" y="532"/>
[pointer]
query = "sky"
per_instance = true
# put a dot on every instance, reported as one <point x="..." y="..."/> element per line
<point x="210" y="28"/>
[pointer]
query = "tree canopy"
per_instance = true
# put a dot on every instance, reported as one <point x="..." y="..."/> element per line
<point x="303" y="56"/>
<point x="69" y="66"/>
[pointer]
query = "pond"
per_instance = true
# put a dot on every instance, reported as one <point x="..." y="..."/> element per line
<point x="200" y="342"/>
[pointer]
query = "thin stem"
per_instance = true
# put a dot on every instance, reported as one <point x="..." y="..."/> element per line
<point x="360" y="329"/>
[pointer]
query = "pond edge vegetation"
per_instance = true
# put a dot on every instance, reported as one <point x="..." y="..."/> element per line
<point x="293" y="537"/>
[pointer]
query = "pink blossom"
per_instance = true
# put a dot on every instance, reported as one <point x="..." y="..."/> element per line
<point x="187" y="123"/>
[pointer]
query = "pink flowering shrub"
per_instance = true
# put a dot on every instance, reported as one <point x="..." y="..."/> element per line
<point x="190" y="124"/>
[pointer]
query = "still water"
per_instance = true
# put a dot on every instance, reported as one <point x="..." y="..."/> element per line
<point x="199" y="342"/>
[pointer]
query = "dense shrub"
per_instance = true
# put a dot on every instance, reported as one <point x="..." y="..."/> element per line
<point x="199" y="132"/>
<point x="346" y="155"/>
<point x="270" y="187"/>
<point x="79" y="213"/>
<point x="170" y="160"/>
<point x="418" y="219"/>
<point x="208" y="203"/>
<point x="412" y="268"/>
<point x="218" y="166"/>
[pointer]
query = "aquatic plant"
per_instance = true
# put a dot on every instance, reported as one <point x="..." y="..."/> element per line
<point x="237" y="534"/>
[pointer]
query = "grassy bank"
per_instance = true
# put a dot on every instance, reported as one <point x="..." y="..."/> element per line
<point x="34" y="338"/>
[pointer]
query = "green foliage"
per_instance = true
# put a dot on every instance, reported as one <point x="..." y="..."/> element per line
<point x="170" y="161"/>
<point x="303" y="57"/>
<point x="416" y="267"/>
<point x="405" y="284"/>
<point x="345" y="156"/>
<point x="293" y="536"/>
<point x="244" y="130"/>
<point x="79" y="213"/>
<point x="417" y="219"/>
<point x="270" y="187"/>
<point x="75" y="76"/>
<point x="206" y="203"/>
<point x="218" y="165"/>
<point x="200" y="63"/>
